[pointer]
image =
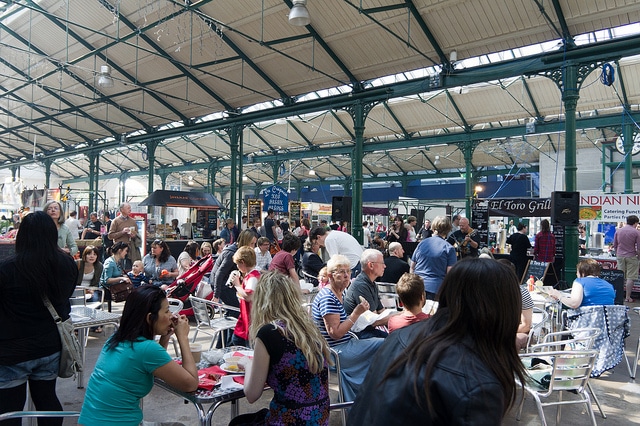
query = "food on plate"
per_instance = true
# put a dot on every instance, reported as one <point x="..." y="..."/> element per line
<point x="588" y="214"/>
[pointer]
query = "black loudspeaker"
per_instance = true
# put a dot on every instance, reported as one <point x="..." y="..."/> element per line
<point x="419" y="214"/>
<point x="565" y="208"/>
<point x="341" y="208"/>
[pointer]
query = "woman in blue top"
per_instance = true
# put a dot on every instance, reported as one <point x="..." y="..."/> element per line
<point x="160" y="265"/>
<point x="111" y="271"/>
<point x="131" y="358"/>
<point x="588" y="289"/>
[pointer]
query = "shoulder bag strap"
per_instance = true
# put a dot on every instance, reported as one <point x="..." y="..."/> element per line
<point x="51" y="309"/>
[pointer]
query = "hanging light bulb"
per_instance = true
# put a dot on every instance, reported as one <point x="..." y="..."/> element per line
<point x="105" y="79"/>
<point x="437" y="160"/>
<point x="299" y="15"/>
<point x="312" y="172"/>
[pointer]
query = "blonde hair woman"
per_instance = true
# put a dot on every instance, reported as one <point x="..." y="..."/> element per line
<point x="290" y="355"/>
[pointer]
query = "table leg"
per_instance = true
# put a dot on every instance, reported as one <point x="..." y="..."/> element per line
<point x="82" y="339"/>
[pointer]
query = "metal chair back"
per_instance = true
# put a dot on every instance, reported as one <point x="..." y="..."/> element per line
<point x="212" y="318"/>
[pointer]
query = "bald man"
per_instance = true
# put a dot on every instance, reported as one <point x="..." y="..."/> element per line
<point x="465" y="240"/>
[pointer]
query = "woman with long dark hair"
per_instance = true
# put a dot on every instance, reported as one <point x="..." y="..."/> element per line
<point x="131" y="358"/>
<point x="29" y="337"/>
<point x="458" y="367"/>
<point x="160" y="265"/>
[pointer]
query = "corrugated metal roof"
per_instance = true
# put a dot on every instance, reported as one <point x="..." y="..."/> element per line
<point x="181" y="60"/>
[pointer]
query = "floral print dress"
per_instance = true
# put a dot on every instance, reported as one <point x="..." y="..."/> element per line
<point x="299" y="396"/>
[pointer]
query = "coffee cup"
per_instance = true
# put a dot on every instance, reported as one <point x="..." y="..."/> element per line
<point x="196" y="352"/>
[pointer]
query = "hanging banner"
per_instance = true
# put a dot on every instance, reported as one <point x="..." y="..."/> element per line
<point x="276" y="198"/>
<point x="295" y="210"/>
<point x="609" y="207"/>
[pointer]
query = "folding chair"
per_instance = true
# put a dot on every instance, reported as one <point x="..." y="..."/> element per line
<point x="388" y="295"/>
<point x="211" y="319"/>
<point x="569" y="371"/>
<point x="573" y="340"/>
<point x="539" y="319"/>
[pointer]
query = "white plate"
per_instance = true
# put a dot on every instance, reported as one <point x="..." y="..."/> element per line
<point x="240" y="354"/>
<point x="225" y="367"/>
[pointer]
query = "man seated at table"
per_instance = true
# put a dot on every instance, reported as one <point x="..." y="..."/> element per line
<point x="410" y="290"/>
<point x="364" y="285"/>
<point x="395" y="266"/>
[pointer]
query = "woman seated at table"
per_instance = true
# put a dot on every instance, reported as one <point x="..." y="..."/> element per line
<point x="89" y="274"/>
<point x="131" y="358"/>
<point x="112" y="272"/>
<point x="588" y="289"/>
<point x="160" y="265"/>
<point x="311" y="262"/>
<point x="290" y="355"/>
<point x="459" y="366"/>
<point x="329" y="315"/>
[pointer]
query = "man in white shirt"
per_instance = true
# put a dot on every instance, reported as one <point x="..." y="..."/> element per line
<point x="336" y="242"/>
<point x="73" y="224"/>
<point x="367" y="234"/>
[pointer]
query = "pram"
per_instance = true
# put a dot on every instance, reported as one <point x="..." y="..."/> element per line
<point x="187" y="283"/>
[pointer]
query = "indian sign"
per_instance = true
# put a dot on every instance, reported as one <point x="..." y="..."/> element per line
<point x="609" y="207"/>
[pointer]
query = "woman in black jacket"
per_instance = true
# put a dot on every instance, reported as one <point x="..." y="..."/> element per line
<point x="29" y="337"/>
<point x="459" y="366"/>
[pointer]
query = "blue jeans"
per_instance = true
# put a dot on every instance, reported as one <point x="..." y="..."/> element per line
<point x="45" y="368"/>
<point x="355" y="359"/>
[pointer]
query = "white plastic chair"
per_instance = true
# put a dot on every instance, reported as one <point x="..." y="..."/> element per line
<point x="388" y="295"/>
<point x="175" y="305"/>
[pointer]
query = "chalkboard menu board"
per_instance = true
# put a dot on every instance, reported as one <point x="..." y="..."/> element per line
<point x="480" y="223"/>
<point x="616" y="278"/>
<point x="295" y="210"/>
<point x="537" y="269"/>
<point x="558" y="232"/>
<point x="254" y="208"/>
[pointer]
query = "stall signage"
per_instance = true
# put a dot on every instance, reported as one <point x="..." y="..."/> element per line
<point x="254" y="207"/>
<point x="609" y="207"/>
<point x="276" y="198"/>
<point x="520" y="207"/>
<point x="295" y="210"/>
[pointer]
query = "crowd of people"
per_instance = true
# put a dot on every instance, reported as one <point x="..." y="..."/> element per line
<point x="483" y="315"/>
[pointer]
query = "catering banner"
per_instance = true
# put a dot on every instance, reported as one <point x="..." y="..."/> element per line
<point x="609" y="207"/>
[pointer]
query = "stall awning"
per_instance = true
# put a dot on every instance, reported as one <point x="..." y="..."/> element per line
<point x="200" y="200"/>
<point x="378" y="211"/>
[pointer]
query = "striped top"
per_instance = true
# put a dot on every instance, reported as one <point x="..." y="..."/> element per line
<point x="326" y="303"/>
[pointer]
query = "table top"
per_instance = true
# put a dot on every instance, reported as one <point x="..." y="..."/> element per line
<point x="203" y="396"/>
<point x="83" y="316"/>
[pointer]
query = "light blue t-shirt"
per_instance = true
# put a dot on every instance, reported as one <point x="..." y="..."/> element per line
<point x="432" y="258"/>
<point x="122" y="376"/>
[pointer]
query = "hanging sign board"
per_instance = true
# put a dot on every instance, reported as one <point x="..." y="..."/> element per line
<point x="519" y="207"/>
<point x="276" y="198"/>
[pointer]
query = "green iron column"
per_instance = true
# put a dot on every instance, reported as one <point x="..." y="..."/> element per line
<point x="234" y="138"/>
<point x="93" y="190"/>
<point x="627" y="135"/>
<point x="240" y="157"/>
<point x="469" y="179"/>
<point x="358" y="112"/>
<point x="212" y="170"/>
<point x="151" y="158"/>
<point x="47" y="173"/>
<point x="569" y="79"/>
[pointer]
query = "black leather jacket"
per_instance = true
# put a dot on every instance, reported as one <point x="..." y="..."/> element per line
<point x="463" y="390"/>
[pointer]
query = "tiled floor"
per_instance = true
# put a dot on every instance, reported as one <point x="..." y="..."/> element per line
<point x="618" y="394"/>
